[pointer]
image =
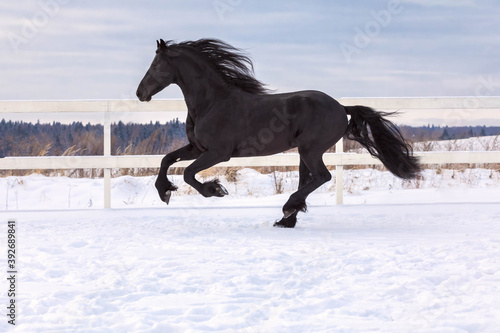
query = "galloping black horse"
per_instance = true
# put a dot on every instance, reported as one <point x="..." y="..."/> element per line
<point x="231" y="114"/>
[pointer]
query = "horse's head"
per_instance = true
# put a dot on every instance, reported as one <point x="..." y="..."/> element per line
<point x="160" y="74"/>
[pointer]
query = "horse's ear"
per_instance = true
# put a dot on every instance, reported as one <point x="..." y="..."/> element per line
<point x="161" y="45"/>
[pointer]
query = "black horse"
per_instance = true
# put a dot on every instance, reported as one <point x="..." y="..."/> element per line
<point x="232" y="114"/>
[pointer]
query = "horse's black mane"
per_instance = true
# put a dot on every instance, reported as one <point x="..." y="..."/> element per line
<point x="236" y="68"/>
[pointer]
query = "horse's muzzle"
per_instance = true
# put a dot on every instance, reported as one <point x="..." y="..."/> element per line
<point x="143" y="97"/>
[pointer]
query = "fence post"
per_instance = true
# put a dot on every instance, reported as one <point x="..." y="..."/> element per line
<point x="107" y="152"/>
<point x="339" y="174"/>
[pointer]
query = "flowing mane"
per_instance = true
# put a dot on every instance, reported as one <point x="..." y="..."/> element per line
<point x="235" y="67"/>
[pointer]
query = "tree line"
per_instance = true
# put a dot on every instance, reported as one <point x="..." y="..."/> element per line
<point x="56" y="139"/>
<point x="18" y="138"/>
<point x="437" y="133"/>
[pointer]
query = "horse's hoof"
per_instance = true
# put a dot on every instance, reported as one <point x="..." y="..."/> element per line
<point x="167" y="196"/>
<point x="221" y="191"/>
<point x="285" y="224"/>
<point x="288" y="213"/>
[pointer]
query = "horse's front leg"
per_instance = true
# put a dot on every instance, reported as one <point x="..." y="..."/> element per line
<point x="206" y="160"/>
<point x="162" y="184"/>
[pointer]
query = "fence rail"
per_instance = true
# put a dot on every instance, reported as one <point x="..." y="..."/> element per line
<point x="338" y="159"/>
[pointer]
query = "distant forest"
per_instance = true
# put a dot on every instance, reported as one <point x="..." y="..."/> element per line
<point x="76" y="139"/>
<point x="56" y="139"/>
<point x="436" y="133"/>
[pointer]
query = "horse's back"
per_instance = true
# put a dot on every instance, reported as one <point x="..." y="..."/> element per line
<point x="307" y="102"/>
<point x="286" y="118"/>
<point x="315" y="108"/>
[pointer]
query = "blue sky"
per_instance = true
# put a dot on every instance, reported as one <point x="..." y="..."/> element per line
<point x="76" y="49"/>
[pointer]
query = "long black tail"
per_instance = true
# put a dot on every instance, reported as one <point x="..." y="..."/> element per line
<point x="382" y="139"/>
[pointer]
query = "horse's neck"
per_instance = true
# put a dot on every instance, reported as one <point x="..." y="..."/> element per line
<point x="201" y="85"/>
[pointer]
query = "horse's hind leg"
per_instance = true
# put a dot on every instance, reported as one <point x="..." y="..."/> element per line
<point x="304" y="174"/>
<point x="316" y="175"/>
<point x="319" y="176"/>
<point x="304" y="178"/>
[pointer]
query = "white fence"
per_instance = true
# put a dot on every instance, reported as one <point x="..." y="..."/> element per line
<point x="339" y="159"/>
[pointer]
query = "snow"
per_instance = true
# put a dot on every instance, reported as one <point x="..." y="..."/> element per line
<point x="419" y="256"/>
<point x="362" y="186"/>
<point x="483" y="143"/>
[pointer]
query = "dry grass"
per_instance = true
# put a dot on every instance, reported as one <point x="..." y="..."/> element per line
<point x="91" y="145"/>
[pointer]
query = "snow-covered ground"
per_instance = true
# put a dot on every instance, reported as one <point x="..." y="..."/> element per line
<point x="363" y="186"/>
<point x="420" y="256"/>
<point x="483" y="143"/>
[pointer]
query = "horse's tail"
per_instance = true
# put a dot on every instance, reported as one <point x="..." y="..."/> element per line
<point x="382" y="139"/>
